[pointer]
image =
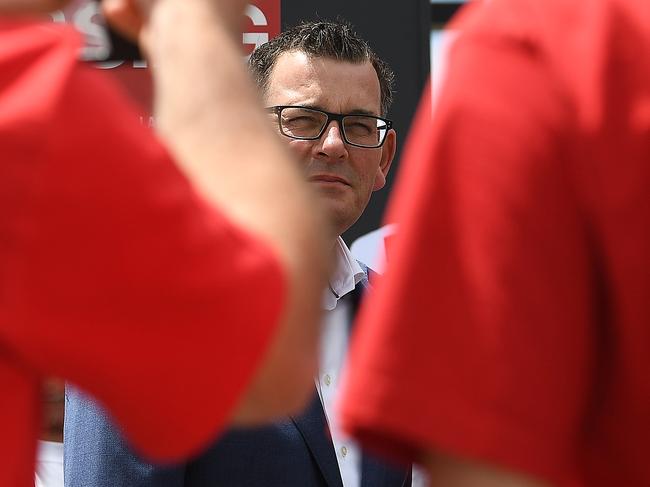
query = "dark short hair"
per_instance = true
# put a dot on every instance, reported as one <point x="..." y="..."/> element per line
<point x="328" y="39"/>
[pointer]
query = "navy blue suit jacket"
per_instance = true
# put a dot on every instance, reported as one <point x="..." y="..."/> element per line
<point x="296" y="452"/>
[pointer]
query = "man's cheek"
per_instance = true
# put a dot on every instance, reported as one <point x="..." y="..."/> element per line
<point x="301" y="149"/>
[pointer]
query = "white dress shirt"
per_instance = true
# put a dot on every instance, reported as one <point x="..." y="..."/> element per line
<point x="49" y="464"/>
<point x="333" y="351"/>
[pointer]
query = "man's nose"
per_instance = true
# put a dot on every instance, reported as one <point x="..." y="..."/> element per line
<point x="332" y="145"/>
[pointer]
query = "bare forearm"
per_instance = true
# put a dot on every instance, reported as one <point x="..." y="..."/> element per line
<point x="208" y="113"/>
<point x="447" y="471"/>
<point x="53" y="410"/>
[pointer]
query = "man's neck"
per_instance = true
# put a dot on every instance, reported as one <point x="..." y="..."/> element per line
<point x="334" y="253"/>
<point x="333" y="246"/>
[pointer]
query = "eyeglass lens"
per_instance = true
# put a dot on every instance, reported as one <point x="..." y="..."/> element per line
<point x="305" y="123"/>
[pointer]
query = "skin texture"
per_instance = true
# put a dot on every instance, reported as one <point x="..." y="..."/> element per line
<point x="53" y="407"/>
<point x="450" y="471"/>
<point x="28" y="7"/>
<point x="343" y="176"/>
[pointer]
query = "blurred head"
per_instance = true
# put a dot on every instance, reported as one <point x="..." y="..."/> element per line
<point x="124" y="15"/>
<point x="339" y="133"/>
<point x="30" y="6"/>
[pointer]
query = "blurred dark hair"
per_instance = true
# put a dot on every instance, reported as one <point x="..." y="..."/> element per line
<point x="327" y="39"/>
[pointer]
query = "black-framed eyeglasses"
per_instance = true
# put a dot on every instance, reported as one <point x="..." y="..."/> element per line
<point x="304" y="123"/>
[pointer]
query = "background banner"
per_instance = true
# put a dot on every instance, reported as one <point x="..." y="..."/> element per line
<point x="260" y="23"/>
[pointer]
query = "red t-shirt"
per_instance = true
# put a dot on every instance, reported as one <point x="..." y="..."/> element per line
<point x="513" y="324"/>
<point x="114" y="273"/>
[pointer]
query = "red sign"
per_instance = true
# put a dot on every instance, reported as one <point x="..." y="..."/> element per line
<point x="261" y="23"/>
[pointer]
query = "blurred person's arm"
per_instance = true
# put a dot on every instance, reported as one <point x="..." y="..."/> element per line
<point x="53" y="409"/>
<point x="120" y="277"/>
<point x="207" y="111"/>
<point x="450" y="471"/>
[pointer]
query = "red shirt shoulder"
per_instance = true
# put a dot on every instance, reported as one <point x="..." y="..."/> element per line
<point x="489" y="337"/>
<point x="36" y="62"/>
<point x="115" y="274"/>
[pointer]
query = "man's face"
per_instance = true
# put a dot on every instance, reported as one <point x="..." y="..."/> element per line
<point x="343" y="175"/>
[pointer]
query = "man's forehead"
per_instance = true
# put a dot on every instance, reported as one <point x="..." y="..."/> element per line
<point x="300" y="78"/>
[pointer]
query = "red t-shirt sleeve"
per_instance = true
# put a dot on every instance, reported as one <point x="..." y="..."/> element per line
<point x="476" y="341"/>
<point x="116" y="275"/>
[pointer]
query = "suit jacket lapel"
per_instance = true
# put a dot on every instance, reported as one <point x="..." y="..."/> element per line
<point x="312" y="424"/>
<point x="313" y="427"/>
<point x="314" y="430"/>
<point x="378" y="472"/>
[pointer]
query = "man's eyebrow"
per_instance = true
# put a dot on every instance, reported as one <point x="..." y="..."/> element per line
<point x="356" y="111"/>
<point x="361" y="111"/>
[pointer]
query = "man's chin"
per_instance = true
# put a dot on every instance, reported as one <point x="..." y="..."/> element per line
<point x="338" y="214"/>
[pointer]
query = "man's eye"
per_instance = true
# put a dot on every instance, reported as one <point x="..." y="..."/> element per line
<point x="360" y="127"/>
<point x="301" y="120"/>
<point x="301" y="126"/>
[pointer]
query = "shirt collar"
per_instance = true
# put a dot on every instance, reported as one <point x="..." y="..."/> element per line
<point x="346" y="275"/>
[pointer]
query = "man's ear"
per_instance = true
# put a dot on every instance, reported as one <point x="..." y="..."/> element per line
<point x="387" y="156"/>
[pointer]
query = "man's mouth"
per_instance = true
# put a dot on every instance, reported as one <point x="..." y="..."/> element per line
<point x="328" y="178"/>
